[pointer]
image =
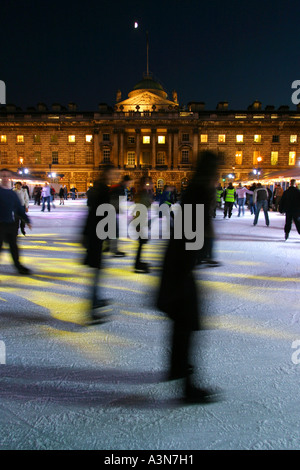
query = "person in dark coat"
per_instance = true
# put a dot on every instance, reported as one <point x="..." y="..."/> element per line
<point x="178" y="296"/>
<point x="143" y="196"/>
<point x="98" y="195"/>
<point x="290" y="205"/>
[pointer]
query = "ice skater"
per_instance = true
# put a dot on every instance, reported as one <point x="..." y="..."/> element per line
<point x="290" y="205"/>
<point x="178" y="296"/>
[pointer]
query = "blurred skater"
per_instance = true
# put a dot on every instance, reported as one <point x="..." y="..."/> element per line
<point x="24" y="200"/>
<point x="98" y="195"/>
<point x="143" y="196"/>
<point x="178" y="292"/>
<point x="10" y="207"/>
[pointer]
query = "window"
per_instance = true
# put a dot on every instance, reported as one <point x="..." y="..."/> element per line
<point x="275" y="138"/>
<point x="106" y="137"/>
<point x="240" y="138"/>
<point x="3" y="157"/>
<point x="37" y="158"/>
<point x="185" y="137"/>
<point x="106" y="156"/>
<point x="54" y="158"/>
<point x="146" y="158"/>
<point x="71" y="139"/>
<point x="53" y="139"/>
<point x="204" y="138"/>
<point x="274" y="158"/>
<point x="89" y="156"/>
<point x="131" y="140"/>
<point x="89" y="138"/>
<point x="184" y="156"/>
<point x="146" y="139"/>
<point x="37" y="139"/>
<point x="20" y="139"/>
<point x="293" y="139"/>
<point x="160" y="184"/>
<point x="131" y="158"/>
<point x="71" y="158"/>
<point x="238" y="158"/>
<point x="161" y="139"/>
<point x="292" y="158"/>
<point x="21" y="159"/>
<point x="3" y="139"/>
<point x="221" y="138"/>
<point x="257" y="138"/>
<point x="160" y="158"/>
<point x="256" y="157"/>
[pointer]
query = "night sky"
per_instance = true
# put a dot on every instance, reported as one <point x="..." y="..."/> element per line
<point x="69" y="51"/>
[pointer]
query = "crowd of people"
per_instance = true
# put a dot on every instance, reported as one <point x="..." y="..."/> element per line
<point x="177" y="295"/>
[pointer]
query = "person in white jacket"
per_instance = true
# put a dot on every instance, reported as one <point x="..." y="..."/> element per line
<point x="24" y="200"/>
<point x="241" y="197"/>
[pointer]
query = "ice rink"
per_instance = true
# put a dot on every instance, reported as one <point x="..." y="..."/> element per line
<point x="66" y="385"/>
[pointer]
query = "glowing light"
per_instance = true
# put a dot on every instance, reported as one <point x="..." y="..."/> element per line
<point x="136" y="25"/>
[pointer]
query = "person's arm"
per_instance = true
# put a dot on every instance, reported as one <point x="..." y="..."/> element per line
<point x="254" y="196"/>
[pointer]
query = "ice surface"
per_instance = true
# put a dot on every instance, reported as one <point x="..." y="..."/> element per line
<point x="69" y="386"/>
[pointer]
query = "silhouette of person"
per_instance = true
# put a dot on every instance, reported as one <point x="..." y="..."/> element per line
<point x="178" y="296"/>
<point x="98" y="195"/>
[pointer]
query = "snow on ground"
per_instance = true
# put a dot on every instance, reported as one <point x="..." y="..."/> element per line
<point x="66" y="385"/>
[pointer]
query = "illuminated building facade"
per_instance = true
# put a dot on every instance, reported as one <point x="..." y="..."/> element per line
<point x="147" y="132"/>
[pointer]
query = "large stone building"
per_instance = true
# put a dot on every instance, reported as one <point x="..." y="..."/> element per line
<point x="147" y="132"/>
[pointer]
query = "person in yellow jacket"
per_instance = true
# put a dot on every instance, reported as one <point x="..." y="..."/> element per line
<point x="229" y="199"/>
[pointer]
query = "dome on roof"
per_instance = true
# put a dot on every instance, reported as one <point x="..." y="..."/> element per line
<point x="148" y="84"/>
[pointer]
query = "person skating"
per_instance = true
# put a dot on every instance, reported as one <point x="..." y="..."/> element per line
<point x="229" y="198"/>
<point x="177" y="296"/>
<point x="290" y="205"/>
<point x="10" y="207"/>
<point x="260" y="199"/>
<point x="116" y="191"/>
<point x="144" y="196"/>
<point x="24" y="200"/>
<point x="98" y="195"/>
<point x="61" y="195"/>
<point x="46" y="196"/>
<point x="241" y="192"/>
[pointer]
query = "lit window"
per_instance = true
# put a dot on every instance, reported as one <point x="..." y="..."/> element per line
<point x="238" y="158"/>
<point x="161" y="139"/>
<point x="292" y="158"/>
<point x="3" y="139"/>
<point x="184" y="156"/>
<point x="274" y="158"/>
<point x="21" y="160"/>
<point x="257" y="138"/>
<point x="89" y="138"/>
<point x="240" y="138"/>
<point x="106" y="156"/>
<point x="146" y="139"/>
<point x="256" y="157"/>
<point x="106" y="137"/>
<point x="131" y="158"/>
<point x="20" y="139"/>
<point x="204" y="138"/>
<point x="293" y="139"/>
<point x="221" y="138"/>
<point x="71" y="139"/>
<point x="37" y="139"/>
<point x="186" y="137"/>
